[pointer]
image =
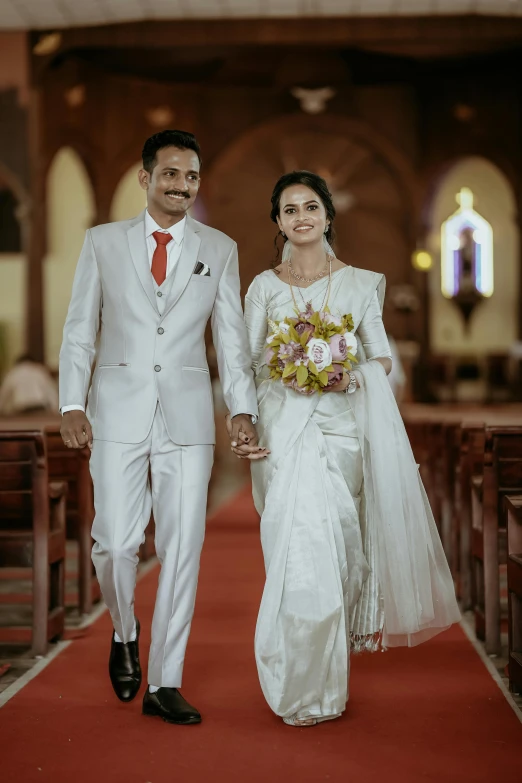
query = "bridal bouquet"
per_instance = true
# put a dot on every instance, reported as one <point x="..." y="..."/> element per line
<point x="311" y="352"/>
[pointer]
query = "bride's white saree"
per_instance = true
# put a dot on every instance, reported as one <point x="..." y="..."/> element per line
<point x="352" y="554"/>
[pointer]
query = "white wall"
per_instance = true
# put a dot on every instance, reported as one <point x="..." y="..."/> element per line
<point x="70" y="210"/>
<point x="493" y="325"/>
<point x="12" y="304"/>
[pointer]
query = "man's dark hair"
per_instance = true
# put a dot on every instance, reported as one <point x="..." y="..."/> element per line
<point x="183" y="140"/>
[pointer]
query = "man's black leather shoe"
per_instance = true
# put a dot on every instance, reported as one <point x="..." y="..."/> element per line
<point x="124" y="667"/>
<point x="169" y="704"/>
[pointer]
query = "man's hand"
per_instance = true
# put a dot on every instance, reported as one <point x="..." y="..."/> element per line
<point x="244" y="438"/>
<point x="76" y="430"/>
<point x="242" y="430"/>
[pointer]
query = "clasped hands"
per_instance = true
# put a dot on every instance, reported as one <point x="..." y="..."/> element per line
<point x="243" y="437"/>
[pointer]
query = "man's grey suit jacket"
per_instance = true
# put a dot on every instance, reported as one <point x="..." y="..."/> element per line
<point x="140" y="356"/>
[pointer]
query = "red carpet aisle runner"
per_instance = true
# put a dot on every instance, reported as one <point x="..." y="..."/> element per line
<point x="428" y="714"/>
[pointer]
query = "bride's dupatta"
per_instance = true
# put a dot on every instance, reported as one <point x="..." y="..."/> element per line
<point x="415" y="582"/>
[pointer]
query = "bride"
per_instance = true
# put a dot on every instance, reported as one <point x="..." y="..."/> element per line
<point x="352" y="554"/>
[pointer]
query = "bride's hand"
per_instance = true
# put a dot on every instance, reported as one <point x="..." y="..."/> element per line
<point x="339" y="387"/>
<point x="342" y="385"/>
<point x="244" y="450"/>
<point x="255" y="452"/>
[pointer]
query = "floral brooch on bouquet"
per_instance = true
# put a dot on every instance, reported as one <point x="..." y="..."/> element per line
<point x="311" y="352"/>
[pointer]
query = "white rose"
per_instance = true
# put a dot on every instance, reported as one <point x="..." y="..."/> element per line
<point x="351" y="342"/>
<point x="319" y="353"/>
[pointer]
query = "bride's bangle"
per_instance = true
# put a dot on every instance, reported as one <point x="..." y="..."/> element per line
<point x="352" y="386"/>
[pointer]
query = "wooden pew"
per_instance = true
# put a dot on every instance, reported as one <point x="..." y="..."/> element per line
<point x="513" y="506"/>
<point x="448" y="443"/>
<point x="32" y="534"/>
<point x="72" y="466"/>
<point x="471" y="464"/>
<point x="502" y="476"/>
<point x="450" y="502"/>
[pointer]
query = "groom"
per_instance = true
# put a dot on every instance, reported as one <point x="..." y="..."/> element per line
<point x="143" y="292"/>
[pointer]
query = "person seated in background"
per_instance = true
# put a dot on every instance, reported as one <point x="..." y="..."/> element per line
<point x="28" y="387"/>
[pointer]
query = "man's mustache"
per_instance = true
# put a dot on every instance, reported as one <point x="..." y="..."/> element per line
<point x="177" y="193"/>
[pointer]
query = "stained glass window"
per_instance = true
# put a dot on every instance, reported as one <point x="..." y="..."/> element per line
<point x="466" y="251"/>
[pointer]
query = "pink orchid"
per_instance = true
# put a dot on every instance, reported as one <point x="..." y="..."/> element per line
<point x="303" y="328"/>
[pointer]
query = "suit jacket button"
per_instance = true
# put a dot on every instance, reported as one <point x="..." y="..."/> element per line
<point x="161" y="330"/>
<point x="159" y="293"/>
<point x="157" y="368"/>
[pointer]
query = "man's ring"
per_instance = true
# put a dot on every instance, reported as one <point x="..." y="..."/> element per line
<point x="67" y="441"/>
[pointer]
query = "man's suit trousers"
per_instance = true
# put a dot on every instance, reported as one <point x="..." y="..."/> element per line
<point x="123" y="499"/>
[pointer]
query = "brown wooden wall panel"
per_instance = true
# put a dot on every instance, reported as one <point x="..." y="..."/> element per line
<point x="411" y="97"/>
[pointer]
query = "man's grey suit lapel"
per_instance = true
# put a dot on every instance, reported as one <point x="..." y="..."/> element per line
<point x="185" y="266"/>
<point x="140" y="257"/>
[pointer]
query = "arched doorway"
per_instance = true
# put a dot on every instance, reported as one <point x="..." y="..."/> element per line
<point x="373" y="188"/>
<point x="14" y="213"/>
<point x="70" y="210"/>
<point x="129" y="199"/>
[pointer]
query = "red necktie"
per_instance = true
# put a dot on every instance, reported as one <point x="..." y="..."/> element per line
<point x="159" y="259"/>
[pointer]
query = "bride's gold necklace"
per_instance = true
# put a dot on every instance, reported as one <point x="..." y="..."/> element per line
<point x="308" y="305"/>
<point x="306" y="279"/>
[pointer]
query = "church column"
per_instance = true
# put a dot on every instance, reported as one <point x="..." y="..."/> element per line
<point x="34" y="321"/>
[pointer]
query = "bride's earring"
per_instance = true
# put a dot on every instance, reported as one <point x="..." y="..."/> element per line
<point x="327" y="247"/>
<point x="287" y="251"/>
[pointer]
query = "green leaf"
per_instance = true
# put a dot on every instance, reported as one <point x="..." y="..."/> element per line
<point x="323" y="377"/>
<point x="285" y="338"/>
<point x="329" y="369"/>
<point x="293" y="335"/>
<point x="312" y="368"/>
<point x="302" y="375"/>
<point x="289" y="370"/>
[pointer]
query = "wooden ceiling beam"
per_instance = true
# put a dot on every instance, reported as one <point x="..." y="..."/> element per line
<point x="470" y="33"/>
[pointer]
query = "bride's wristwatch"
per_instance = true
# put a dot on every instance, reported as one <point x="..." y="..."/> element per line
<point x="352" y="386"/>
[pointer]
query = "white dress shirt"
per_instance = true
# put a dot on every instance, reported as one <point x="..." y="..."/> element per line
<point x="174" y="248"/>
